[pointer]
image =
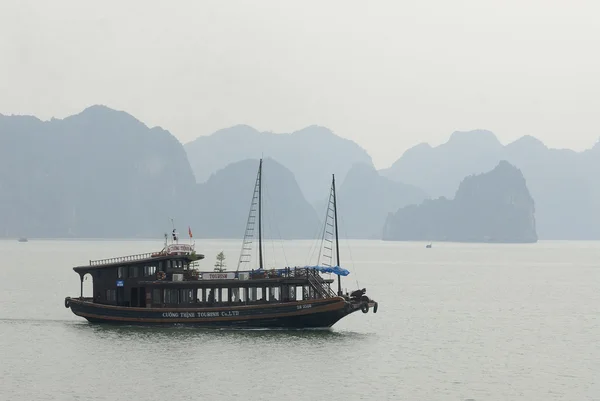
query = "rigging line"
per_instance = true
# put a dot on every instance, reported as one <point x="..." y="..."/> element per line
<point x="282" y="247"/>
<point x="268" y="198"/>
<point x="325" y="225"/>
<point x="315" y="241"/>
<point x="247" y="230"/>
<point x="350" y="252"/>
<point x="276" y="228"/>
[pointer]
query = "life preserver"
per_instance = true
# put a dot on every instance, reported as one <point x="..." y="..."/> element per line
<point x="364" y="308"/>
<point x="161" y="275"/>
<point x="67" y="302"/>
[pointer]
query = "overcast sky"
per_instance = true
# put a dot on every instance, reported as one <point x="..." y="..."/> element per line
<point x="387" y="75"/>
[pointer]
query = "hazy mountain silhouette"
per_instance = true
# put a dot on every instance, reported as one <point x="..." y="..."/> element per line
<point x="223" y="203"/>
<point x="439" y="170"/>
<point x="103" y="173"/>
<point x="563" y="183"/>
<point x="312" y="154"/>
<point x="490" y="207"/>
<point x="100" y="173"/>
<point x="365" y="198"/>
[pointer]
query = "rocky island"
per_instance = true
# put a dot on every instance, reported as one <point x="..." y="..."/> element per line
<point x="491" y="207"/>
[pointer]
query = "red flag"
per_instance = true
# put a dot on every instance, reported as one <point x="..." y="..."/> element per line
<point x="190" y="231"/>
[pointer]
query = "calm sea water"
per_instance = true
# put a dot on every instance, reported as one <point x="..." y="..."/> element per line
<point x="455" y="322"/>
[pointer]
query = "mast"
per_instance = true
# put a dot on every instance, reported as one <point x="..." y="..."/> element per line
<point x="337" y="242"/>
<point x="250" y="234"/>
<point x="260" y="248"/>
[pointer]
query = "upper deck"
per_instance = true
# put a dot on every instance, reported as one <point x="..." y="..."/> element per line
<point x="184" y="251"/>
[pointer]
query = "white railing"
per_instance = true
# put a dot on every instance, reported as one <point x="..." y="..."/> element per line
<point x="130" y="258"/>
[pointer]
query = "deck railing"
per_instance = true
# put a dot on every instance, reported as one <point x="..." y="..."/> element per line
<point x="322" y="288"/>
<point x="121" y="259"/>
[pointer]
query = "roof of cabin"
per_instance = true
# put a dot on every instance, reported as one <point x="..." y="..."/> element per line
<point x="107" y="265"/>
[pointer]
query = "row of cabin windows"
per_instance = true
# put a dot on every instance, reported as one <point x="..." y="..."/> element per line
<point x="172" y="296"/>
<point x="135" y="271"/>
<point x="145" y="271"/>
<point x="177" y="264"/>
<point x="182" y="296"/>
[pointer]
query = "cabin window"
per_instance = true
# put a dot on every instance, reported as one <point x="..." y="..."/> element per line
<point x="111" y="295"/>
<point x="156" y="296"/>
<point x="273" y="294"/>
<point x="134" y="271"/>
<point x="160" y="266"/>
<point x="171" y="296"/>
<point x="186" y="296"/>
<point x="122" y="272"/>
<point x="149" y="270"/>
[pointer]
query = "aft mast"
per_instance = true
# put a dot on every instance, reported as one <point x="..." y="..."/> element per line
<point x="260" y="248"/>
<point x="337" y="242"/>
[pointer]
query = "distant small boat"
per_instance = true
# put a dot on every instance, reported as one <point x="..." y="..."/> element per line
<point x="428" y="246"/>
<point x="23" y="239"/>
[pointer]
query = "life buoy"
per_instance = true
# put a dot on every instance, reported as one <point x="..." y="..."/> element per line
<point x="161" y="275"/>
<point x="364" y="308"/>
<point x="67" y="302"/>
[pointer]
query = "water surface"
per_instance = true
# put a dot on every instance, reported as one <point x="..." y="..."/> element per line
<point x="455" y="322"/>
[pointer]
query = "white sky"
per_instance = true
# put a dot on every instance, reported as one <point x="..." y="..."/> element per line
<point x="386" y="74"/>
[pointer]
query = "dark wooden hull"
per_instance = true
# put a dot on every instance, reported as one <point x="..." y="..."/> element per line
<point x="322" y="313"/>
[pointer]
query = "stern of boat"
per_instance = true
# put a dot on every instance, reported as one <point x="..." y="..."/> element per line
<point x="360" y="301"/>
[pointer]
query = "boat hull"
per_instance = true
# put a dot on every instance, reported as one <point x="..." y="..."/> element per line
<point x="322" y="313"/>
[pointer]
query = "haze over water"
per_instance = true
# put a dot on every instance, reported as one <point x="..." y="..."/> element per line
<point x="455" y="322"/>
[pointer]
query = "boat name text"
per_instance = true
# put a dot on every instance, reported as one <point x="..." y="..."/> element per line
<point x="200" y="314"/>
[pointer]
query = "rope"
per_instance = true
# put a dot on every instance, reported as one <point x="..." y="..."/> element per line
<point x="278" y="232"/>
<point x="350" y="253"/>
<point x="314" y="243"/>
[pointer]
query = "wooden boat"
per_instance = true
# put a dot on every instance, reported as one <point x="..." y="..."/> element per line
<point x="167" y="287"/>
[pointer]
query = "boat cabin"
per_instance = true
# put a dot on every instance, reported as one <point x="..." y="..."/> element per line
<point x="171" y="279"/>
